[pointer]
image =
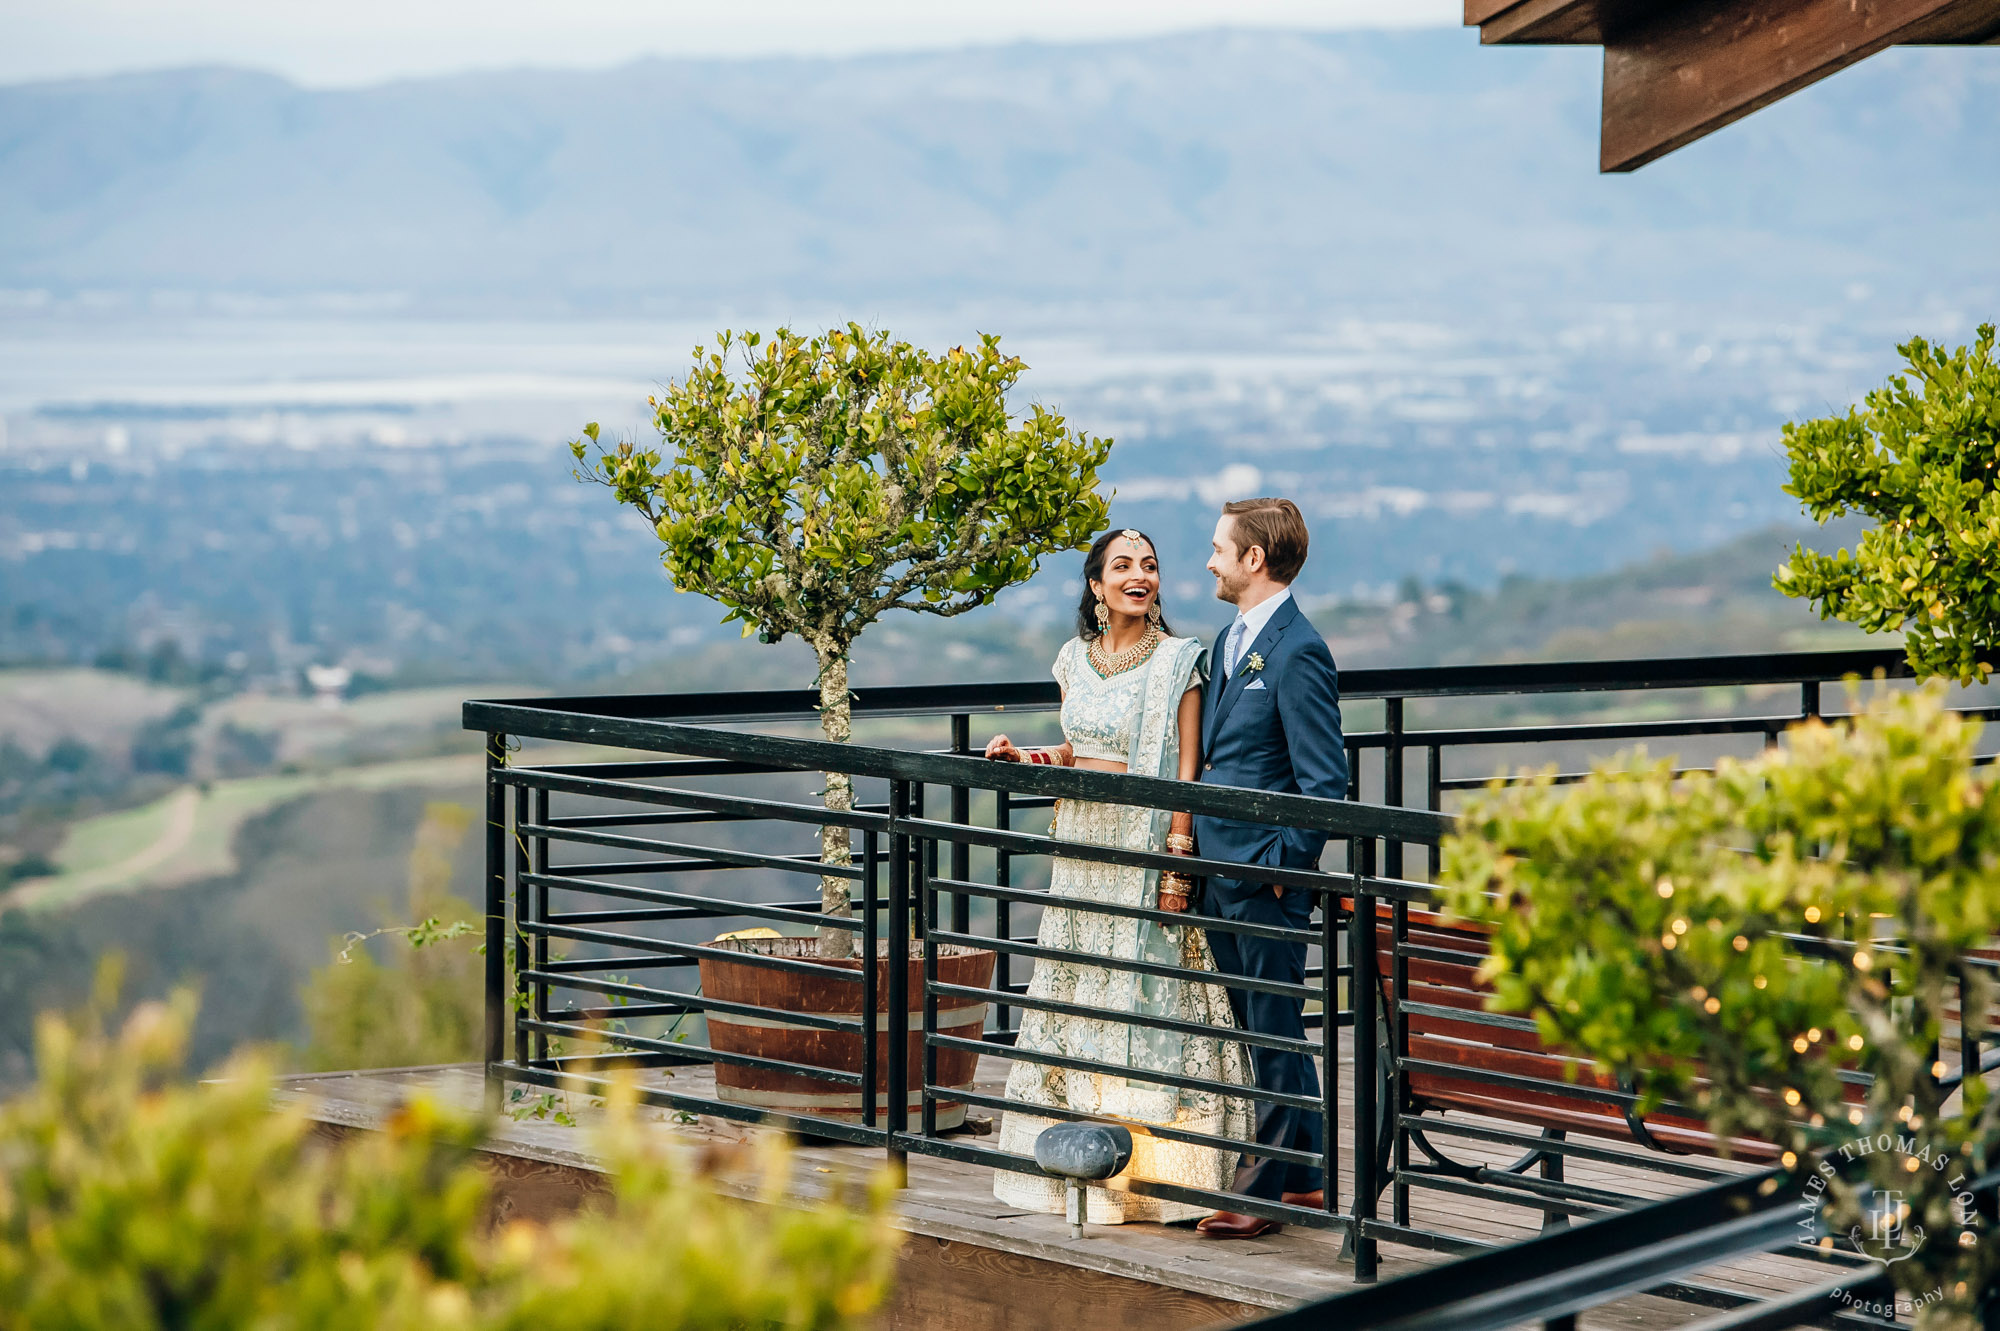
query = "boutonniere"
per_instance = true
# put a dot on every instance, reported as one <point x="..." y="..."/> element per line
<point x="1253" y="662"/>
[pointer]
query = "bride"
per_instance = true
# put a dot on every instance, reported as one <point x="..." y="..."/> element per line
<point x="1131" y="702"/>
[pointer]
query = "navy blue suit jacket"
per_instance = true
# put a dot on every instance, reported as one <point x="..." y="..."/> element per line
<point x="1284" y="736"/>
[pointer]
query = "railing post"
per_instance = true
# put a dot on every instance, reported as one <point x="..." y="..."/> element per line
<point x="538" y="911"/>
<point x="914" y="808"/>
<point x="1329" y="1050"/>
<point x="961" y="813"/>
<point x="1434" y="799"/>
<point x="1392" y="779"/>
<point x="1399" y="1050"/>
<point x="927" y="903"/>
<point x="496" y="919"/>
<point x="524" y="914"/>
<point x="898" y="1023"/>
<point x="1003" y="875"/>
<point x="1361" y="991"/>
<point x="1808" y="699"/>
<point x="871" y="1003"/>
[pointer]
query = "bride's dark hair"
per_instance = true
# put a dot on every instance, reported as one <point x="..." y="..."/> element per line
<point x="1093" y="571"/>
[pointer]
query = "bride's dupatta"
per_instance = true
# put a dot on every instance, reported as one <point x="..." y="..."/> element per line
<point x="1156" y="748"/>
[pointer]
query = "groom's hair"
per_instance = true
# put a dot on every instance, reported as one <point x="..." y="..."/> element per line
<point x="1278" y="526"/>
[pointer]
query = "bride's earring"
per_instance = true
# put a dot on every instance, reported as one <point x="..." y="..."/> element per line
<point x="1153" y="613"/>
<point x="1103" y="613"/>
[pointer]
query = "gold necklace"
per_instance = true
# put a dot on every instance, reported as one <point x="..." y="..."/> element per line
<point x="1106" y="665"/>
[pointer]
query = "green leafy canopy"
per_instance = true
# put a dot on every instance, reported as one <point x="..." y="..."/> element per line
<point x="823" y="481"/>
<point x="1919" y="458"/>
<point x="1735" y="941"/>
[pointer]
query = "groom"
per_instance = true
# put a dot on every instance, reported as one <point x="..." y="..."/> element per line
<point x="1271" y="721"/>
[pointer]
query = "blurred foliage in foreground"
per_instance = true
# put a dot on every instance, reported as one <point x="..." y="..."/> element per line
<point x="1737" y="940"/>
<point x="425" y="1004"/>
<point x="133" y="1198"/>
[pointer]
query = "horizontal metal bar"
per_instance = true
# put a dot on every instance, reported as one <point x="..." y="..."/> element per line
<point x="702" y="1002"/>
<point x="1183" y="919"/>
<point x="1570" y="1269"/>
<point x="1572" y="1089"/>
<point x="625" y="1039"/>
<point x="584" y="965"/>
<point x="1450" y="681"/>
<point x="540" y="719"/>
<point x="1574" y="731"/>
<point x="641" y="915"/>
<point x="620" y="1060"/>
<point x="1494" y="1192"/>
<point x="1651" y="1160"/>
<point x="721" y="907"/>
<point x="1174" y="1079"/>
<point x="965" y="1095"/>
<point x="693" y="818"/>
<point x="1477" y="1016"/>
<point x="1806" y="1305"/>
<point x="694" y="950"/>
<point x="1041" y="953"/>
<point x="540" y="778"/>
<point x="1031" y="843"/>
<point x="1232" y="1034"/>
<point x="658" y="1098"/>
<point x="630" y="1011"/>
<point x="706" y="855"/>
<point x="654" y="768"/>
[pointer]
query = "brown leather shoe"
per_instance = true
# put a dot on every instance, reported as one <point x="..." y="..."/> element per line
<point x="1314" y="1200"/>
<point x="1229" y="1225"/>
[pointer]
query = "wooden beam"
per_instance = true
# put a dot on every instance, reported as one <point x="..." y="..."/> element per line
<point x="1536" y="22"/>
<point x="1693" y="68"/>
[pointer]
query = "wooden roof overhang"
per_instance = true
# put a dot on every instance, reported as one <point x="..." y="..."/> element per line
<point x="1675" y="70"/>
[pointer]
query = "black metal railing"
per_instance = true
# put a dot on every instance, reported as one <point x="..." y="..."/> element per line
<point x="607" y="879"/>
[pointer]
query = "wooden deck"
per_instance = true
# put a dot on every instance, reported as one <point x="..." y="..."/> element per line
<point x="976" y="1264"/>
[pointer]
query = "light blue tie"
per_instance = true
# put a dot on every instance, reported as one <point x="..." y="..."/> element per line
<point x="1234" y="648"/>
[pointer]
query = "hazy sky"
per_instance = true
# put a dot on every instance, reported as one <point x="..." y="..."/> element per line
<point x="347" y="42"/>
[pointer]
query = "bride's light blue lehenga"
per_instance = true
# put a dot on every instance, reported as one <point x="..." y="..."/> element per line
<point x="1131" y="717"/>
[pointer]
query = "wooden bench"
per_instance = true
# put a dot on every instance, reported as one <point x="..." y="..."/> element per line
<point x="1464" y="1058"/>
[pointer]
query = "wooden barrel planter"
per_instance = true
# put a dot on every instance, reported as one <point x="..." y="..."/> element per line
<point x="797" y="991"/>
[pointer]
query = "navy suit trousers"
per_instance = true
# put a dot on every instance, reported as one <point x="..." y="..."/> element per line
<point x="1270" y="1014"/>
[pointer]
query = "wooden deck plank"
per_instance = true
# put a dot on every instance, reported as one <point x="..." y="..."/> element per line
<point x="953" y="1203"/>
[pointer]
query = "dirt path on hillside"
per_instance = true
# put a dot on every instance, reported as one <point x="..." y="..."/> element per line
<point x="183" y="807"/>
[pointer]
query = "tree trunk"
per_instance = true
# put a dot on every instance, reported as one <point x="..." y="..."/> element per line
<point x="835" y="722"/>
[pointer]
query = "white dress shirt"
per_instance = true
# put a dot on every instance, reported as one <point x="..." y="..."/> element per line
<point x="1253" y="622"/>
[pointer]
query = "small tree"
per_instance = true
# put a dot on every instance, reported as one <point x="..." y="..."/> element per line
<point x="832" y="479"/>
<point x="1920" y="460"/>
<point x="1733" y="941"/>
<point x="131" y="1197"/>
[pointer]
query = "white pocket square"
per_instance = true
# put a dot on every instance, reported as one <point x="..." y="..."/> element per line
<point x="1253" y="684"/>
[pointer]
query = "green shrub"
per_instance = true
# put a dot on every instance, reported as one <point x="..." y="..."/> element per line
<point x="131" y="1198"/>
<point x="829" y="480"/>
<point x="1919" y="458"/>
<point x="1725" y="941"/>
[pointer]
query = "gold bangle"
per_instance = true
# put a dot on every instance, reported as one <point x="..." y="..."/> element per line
<point x="1181" y="841"/>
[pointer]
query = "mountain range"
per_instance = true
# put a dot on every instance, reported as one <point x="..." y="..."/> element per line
<point x="1234" y="169"/>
